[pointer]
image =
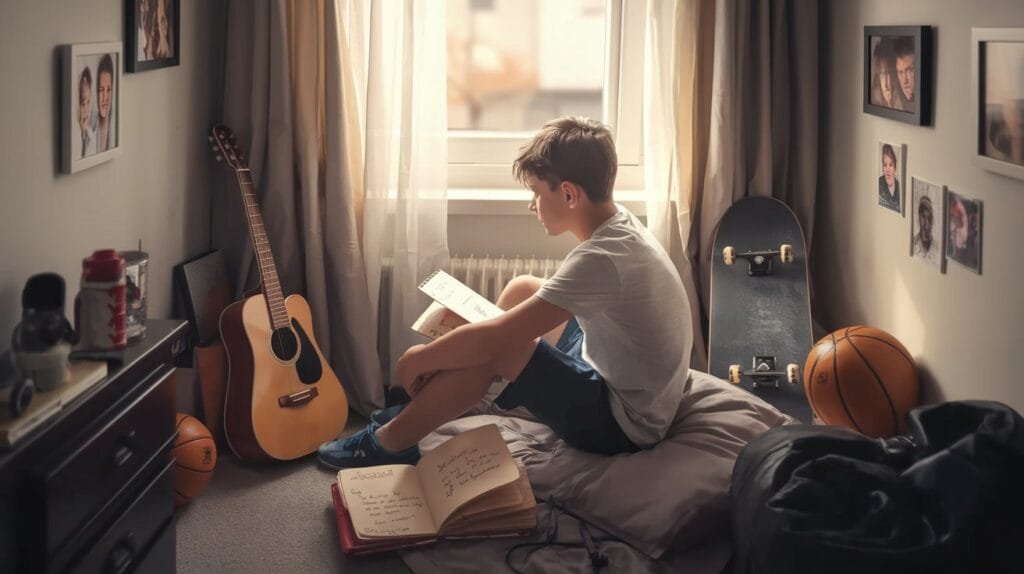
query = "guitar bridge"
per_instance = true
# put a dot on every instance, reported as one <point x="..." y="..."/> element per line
<point x="297" y="399"/>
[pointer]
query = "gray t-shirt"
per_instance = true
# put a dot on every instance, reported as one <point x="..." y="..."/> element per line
<point x="635" y="317"/>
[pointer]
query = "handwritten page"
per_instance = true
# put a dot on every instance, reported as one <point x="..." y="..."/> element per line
<point x="455" y="295"/>
<point x="467" y="466"/>
<point x="386" y="501"/>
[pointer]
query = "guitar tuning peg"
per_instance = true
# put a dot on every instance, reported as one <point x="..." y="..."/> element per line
<point x="209" y="139"/>
<point x="220" y="158"/>
<point x="213" y="147"/>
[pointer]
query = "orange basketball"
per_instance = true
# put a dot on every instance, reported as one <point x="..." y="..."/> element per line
<point x="195" y="455"/>
<point x="862" y="378"/>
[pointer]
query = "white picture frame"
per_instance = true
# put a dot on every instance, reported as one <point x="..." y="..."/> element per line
<point x="91" y="104"/>
<point x="997" y="82"/>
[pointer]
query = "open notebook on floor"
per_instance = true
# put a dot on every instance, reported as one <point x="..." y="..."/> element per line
<point x="468" y="487"/>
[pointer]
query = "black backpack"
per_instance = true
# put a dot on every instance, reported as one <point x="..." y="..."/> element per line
<point x="948" y="497"/>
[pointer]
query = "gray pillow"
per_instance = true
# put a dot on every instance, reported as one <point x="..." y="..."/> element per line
<point x="673" y="495"/>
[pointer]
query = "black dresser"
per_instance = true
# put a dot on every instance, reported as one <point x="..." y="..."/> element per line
<point x="92" y="489"/>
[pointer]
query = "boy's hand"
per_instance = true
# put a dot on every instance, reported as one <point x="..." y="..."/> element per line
<point x="408" y="376"/>
<point x="420" y="382"/>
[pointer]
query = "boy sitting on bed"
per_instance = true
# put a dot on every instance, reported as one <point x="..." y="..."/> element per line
<point x="599" y="352"/>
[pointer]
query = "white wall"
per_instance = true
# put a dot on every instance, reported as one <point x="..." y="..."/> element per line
<point x="156" y="191"/>
<point x="966" y="330"/>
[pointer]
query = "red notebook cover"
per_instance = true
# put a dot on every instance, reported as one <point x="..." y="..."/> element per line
<point x="352" y="545"/>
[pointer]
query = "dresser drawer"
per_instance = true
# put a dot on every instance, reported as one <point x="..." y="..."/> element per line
<point x="161" y="557"/>
<point x="79" y="486"/>
<point x="125" y="544"/>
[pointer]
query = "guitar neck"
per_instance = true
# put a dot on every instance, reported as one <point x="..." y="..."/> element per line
<point x="264" y="257"/>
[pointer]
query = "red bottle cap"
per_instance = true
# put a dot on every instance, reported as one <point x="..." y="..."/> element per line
<point x="103" y="265"/>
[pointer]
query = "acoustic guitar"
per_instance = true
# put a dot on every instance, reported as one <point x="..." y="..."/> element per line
<point x="282" y="399"/>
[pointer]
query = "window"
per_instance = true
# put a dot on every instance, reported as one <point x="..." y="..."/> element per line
<point x="514" y="64"/>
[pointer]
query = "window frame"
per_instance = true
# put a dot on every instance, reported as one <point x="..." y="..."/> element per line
<point x="480" y="162"/>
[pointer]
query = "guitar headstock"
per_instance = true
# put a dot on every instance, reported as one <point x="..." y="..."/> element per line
<point x="224" y="147"/>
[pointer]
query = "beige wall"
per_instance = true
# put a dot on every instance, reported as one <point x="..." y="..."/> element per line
<point x="966" y="330"/>
<point x="156" y="191"/>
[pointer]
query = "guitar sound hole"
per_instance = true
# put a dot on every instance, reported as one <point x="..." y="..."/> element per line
<point x="284" y="344"/>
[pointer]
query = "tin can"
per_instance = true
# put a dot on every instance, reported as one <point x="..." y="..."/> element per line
<point x="136" y="265"/>
<point x="100" y="305"/>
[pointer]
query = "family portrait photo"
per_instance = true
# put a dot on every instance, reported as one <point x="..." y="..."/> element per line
<point x="892" y="71"/>
<point x="153" y="33"/>
<point x="964" y="230"/>
<point x="92" y="93"/>
<point x="895" y="70"/>
<point x="927" y="210"/>
<point x="891" y="158"/>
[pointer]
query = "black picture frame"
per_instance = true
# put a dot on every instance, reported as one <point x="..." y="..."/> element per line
<point x="914" y="44"/>
<point x="997" y="57"/>
<point x="138" y="51"/>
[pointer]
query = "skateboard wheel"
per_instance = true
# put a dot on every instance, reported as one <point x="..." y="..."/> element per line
<point x="729" y="254"/>
<point x="734" y="374"/>
<point x="786" y="253"/>
<point x="793" y="373"/>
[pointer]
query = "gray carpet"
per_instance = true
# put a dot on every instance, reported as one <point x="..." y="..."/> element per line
<point x="269" y="518"/>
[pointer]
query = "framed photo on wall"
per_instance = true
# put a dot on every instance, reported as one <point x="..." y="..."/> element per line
<point x="891" y="169"/>
<point x="927" y="217"/>
<point x="153" y="33"/>
<point x="91" y="104"/>
<point x="963" y="230"/>
<point x="997" y="94"/>
<point x="897" y="73"/>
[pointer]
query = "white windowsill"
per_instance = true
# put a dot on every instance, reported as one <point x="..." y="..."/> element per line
<point x="504" y="201"/>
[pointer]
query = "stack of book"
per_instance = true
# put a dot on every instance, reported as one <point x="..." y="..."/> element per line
<point x="44" y="405"/>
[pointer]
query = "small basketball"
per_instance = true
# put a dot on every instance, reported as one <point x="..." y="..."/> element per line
<point x="862" y="378"/>
<point x="195" y="455"/>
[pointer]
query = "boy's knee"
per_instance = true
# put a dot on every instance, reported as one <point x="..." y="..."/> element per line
<point x="519" y="289"/>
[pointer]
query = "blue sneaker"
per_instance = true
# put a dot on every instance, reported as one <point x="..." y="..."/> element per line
<point x="362" y="449"/>
<point x="383" y="416"/>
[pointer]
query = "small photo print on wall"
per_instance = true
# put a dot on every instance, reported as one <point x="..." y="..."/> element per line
<point x="927" y="207"/>
<point x="963" y="230"/>
<point x="891" y="158"/>
<point x="92" y="94"/>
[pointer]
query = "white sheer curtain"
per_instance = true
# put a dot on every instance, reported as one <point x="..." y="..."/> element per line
<point x="671" y="116"/>
<point x="401" y="69"/>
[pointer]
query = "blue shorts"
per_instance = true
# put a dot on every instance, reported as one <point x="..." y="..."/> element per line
<point x="564" y="392"/>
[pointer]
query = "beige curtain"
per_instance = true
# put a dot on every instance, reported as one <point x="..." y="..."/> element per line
<point x="297" y="114"/>
<point x="731" y="110"/>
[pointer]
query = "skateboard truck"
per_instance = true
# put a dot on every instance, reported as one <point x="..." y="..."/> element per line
<point x="765" y="373"/>
<point x="760" y="262"/>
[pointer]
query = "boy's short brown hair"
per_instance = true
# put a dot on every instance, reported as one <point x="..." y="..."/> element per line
<point x="573" y="149"/>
